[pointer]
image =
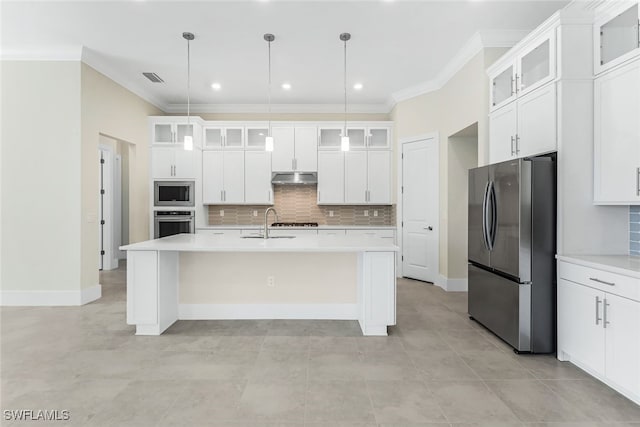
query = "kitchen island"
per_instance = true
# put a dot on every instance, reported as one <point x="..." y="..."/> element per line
<point x="195" y="276"/>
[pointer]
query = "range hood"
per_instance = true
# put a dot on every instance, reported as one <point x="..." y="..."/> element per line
<point x="294" y="178"/>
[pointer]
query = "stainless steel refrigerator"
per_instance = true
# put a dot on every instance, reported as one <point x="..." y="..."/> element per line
<point x="512" y="245"/>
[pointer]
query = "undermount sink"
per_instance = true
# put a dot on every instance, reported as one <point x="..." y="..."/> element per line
<point x="270" y="237"/>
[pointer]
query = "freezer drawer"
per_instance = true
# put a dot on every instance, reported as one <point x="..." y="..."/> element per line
<point x="501" y="305"/>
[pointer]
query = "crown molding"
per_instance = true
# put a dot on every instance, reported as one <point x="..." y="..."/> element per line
<point x="53" y="53"/>
<point x="279" y="108"/>
<point x="477" y="42"/>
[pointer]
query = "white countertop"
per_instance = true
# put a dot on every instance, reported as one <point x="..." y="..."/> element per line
<point x="620" y="264"/>
<point x="320" y="227"/>
<point x="209" y="243"/>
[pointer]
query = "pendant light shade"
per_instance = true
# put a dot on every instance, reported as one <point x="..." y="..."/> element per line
<point x="268" y="142"/>
<point x="188" y="139"/>
<point x="344" y="141"/>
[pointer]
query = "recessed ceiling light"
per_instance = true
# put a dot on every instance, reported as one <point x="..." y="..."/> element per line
<point x="216" y="86"/>
<point x="286" y="86"/>
<point x="358" y="86"/>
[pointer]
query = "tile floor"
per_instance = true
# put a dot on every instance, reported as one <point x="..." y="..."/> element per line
<point x="437" y="368"/>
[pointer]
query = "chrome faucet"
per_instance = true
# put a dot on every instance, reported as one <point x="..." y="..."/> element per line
<point x="266" y="216"/>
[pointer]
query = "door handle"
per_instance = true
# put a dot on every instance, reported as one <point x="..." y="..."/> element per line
<point x="605" y="322"/>
<point x="492" y="224"/>
<point x="598" y="318"/>
<point x="512" y="141"/>
<point x="485" y="240"/>
<point x="430" y="228"/>
<point x="517" y="144"/>
<point x="517" y="90"/>
<point x="513" y="86"/>
<point x="637" y="181"/>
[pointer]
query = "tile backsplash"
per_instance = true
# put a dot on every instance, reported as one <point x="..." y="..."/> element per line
<point x="299" y="204"/>
<point x="634" y="230"/>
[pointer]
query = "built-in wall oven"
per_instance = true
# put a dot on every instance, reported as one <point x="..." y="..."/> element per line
<point x="173" y="193"/>
<point x="168" y="223"/>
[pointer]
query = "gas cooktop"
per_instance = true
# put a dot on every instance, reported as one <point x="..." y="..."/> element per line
<point x="294" y="224"/>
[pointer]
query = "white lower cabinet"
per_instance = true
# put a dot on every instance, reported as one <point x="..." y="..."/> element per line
<point x="222" y="177"/>
<point x="599" y="325"/>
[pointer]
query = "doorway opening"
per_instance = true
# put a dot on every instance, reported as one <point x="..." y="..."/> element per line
<point x="113" y="201"/>
<point x="462" y="155"/>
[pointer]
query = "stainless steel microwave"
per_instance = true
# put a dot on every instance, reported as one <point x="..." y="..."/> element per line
<point x="173" y="193"/>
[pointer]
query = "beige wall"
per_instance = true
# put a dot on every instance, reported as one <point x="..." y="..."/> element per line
<point x="110" y="109"/>
<point x="40" y="167"/>
<point x="461" y="102"/>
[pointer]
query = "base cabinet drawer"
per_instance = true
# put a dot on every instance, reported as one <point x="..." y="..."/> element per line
<point x="605" y="281"/>
<point x="219" y="233"/>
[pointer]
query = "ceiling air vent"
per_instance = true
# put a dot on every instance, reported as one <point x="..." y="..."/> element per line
<point x="153" y="77"/>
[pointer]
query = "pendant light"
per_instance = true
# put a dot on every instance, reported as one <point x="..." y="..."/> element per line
<point x="268" y="141"/>
<point x="344" y="141"/>
<point x="188" y="139"/>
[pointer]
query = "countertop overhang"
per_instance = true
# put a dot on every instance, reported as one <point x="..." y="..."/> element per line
<point x="627" y="265"/>
<point x="208" y="243"/>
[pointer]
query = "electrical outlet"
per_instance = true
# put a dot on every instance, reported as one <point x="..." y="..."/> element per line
<point x="271" y="281"/>
<point x="375" y="213"/>
<point x="366" y="212"/>
<point x="221" y="212"/>
<point x="255" y="213"/>
<point x="331" y="213"/>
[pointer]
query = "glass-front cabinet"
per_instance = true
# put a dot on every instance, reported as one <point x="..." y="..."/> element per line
<point x="171" y="133"/>
<point x="329" y="137"/>
<point x="218" y="137"/>
<point x="360" y="137"/>
<point x="536" y="65"/>
<point x="256" y="137"/>
<point x="533" y="67"/>
<point x="617" y="36"/>
<point x="379" y="137"/>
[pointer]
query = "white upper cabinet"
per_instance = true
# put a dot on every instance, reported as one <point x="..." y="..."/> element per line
<point x="295" y="149"/>
<point x="531" y="67"/>
<point x="256" y="137"/>
<point x="355" y="177"/>
<point x="361" y="136"/>
<point x="503" y="127"/>
<point x="218" y="137"/>
<point x="330" y="177"/>
<point x="367" y="177"/>
<point x="222" y="177"/>
<point x="616" y="35"/>
<point x="171" y="133"/>
<point x="536" y="133"/>
<point x="257" y="178"/>
<point x="536" y="64"/>
<point x="172" y="163"/>
<point x="617" y="136"/>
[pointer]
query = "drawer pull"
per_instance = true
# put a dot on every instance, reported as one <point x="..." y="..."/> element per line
<point x="602" y="281"/>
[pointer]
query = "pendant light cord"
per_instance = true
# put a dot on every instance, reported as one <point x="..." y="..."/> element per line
<point x="188" y="80"/>
<point x="345" y="88"/>
<point x="269" y="88"/>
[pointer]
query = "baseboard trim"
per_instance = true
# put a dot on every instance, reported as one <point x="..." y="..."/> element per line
<point x="50" y="298"/>
<point x="453" y="285"/>
<point x="267" y="311"/>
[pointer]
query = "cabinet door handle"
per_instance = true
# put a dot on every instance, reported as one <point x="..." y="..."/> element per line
<point x="517" y="144"/>
<point x="512" y="141"/>
<point x="595" y="279"/>
<point x="598" y="318"/>
<point x="605" y="322"/>
<point x="517" y="89"/>
<point x="513" y="86"/>
<point x="319" y="198"/>
<point x="637" y="181"/>
<point x="221" y="196"/>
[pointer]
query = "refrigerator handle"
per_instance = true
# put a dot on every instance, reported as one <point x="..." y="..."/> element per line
<point x="493" y="225"/>
<point x="485" y="238"/>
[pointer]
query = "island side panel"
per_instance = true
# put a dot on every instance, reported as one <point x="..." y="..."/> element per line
<point x="377" y="292"/>
<point x="152" y="290"/>
<point x="237" y="286"/>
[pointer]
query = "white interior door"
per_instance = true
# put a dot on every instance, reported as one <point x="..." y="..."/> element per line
<point x="420" y="210"/>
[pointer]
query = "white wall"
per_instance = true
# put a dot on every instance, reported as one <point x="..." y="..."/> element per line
<point x="40" y="167"/>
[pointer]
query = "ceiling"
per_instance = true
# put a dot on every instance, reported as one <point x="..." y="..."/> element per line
<point x="395" y="45"/>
